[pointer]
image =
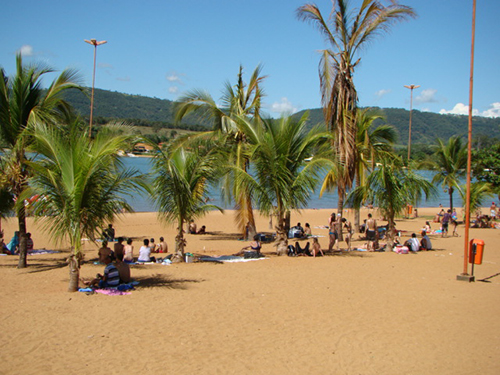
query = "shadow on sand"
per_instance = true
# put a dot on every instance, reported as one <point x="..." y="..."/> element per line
<point x="163" y="281"/>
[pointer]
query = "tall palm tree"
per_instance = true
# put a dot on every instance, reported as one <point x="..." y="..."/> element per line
<point x="390" y="187"/>
<point x="180" y="187"/>
<point x="281" y="178"/>
<point x="347" y="31"/>
<point x="241" y="100"/>
<point x="451" y="163"/>
<point x="23" y="102"/>
<point x="82" y="184"/>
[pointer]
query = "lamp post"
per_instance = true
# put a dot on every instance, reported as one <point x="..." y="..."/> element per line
<point x="411" y="87"/>
<point x="95" y="43"/>
<point x="465" y="275"/>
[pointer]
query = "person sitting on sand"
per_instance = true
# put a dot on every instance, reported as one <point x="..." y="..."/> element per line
<point x="302" y="251"/>
<point x="427" y="227"/>
<point x="128" y="252"/>
<point x="111" y="277"/>
<point x="13" y="245"/>
<point x="104" y="252"/>
<point x="145" y="253"/>
<point x="307" y="230"/>
<point x="153" y="246"/>
<point x="162" y="246"/>
<point x="119" y="247"/>
<point x="29" y="243"/>
<point x="255" y="246"/>
<point x="425" y="242"/>
<point x="3" y="247"/>
<point x="203" y="230"/>
<point x="316" y="248"/>
<point x="123" y="269"/>
<point x="412" y="243"/>
<point x="192" y="227"/>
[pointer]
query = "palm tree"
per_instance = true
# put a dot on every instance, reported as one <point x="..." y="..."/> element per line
<point x="180" y="184"/>
<point x="82" y="182"/>
<point x="479" y="191"/>
<point x="281" y="179"/>
<point x="371" y="144"/>
<point x="347" y="31"/>
<point x="241" y="100"/>
<point x="390" y="187"/>
<point x="451" y="163"/>
<point x="23" y="102"/>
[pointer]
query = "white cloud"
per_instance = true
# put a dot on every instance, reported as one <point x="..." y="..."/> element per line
<point x="459" y="109"/>
<point x="426" y="96"/>
<point x="284" y="106"/>
<point x="173" y="77"/>
<point x="493" y="111"/>
<point x="173" y="90"/>
<point x="380" y="93"/>
<point x="26" y="50"/>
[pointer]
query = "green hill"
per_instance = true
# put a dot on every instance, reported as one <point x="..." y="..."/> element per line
<point x="146" y="111"/>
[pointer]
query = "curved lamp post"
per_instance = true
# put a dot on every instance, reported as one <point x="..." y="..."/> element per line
<point x="95" y="43"/>
<point x="411" y="87"/>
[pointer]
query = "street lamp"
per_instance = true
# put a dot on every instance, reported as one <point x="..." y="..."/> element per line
<point x="95" y="43"/>
<point x="411" y="87"/>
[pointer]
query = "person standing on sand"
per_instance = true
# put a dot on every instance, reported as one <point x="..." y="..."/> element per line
<point x="371" y="231"/>
<point x="445" y="222"/>
<point x="333" y="234"/>
<point x="348" y="236"/>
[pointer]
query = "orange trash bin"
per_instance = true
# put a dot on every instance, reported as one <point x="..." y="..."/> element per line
<point x="476" y="246"/>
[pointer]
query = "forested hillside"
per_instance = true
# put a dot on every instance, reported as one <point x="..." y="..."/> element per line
<point x="145" y="111"/>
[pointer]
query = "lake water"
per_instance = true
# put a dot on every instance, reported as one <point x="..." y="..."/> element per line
<point x="327" y="201"/>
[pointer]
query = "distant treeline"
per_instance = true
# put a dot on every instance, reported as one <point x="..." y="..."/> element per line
<point x="159" y="113"/>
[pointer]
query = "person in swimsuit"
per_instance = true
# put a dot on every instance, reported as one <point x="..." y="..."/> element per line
<point x="371" y="231"/>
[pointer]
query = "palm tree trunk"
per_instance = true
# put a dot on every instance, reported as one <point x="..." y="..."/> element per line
<point x="74" y="272"/>
<point x="356" y="209"/>
<point x="281" y="235"/>
<point x="450" y="191"/>
<point x="252" y="230"/>
<point x="390" y="232"/>
<point x="21" y="215"/>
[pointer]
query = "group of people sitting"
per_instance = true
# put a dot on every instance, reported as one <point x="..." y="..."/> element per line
<point x="297" y="250"/>
<point x="299" y="232"/>
<point x="193" y="229"/>
<point x="414" y="245"/>
<point x="12" y="247"/>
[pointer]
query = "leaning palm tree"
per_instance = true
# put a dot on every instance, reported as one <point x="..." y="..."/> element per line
<point x="347" y="31"/>
<point x="22" y="103"/>
<point x="390" y="187"/>
<point x="281" y="179"/>
<point x="242" y="100"/>
<point x="82" y="185"/>
<point x="181" y="178"/>
<point x="451" y="163"/>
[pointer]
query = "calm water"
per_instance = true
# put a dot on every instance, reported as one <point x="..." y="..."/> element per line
<point x="328" y="200"/>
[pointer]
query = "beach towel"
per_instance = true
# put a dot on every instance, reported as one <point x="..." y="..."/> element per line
<point x="227" y="259"/>
<point x="112" y="292"/>
<point x="42" y="251"/>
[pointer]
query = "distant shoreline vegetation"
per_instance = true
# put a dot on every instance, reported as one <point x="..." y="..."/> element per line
<point x="158" y="116"/>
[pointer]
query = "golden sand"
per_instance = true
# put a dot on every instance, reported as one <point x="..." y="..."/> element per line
<point x="349" y="313"/>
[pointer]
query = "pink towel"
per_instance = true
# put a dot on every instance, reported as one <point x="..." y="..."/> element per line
<point x="111" y="292"/>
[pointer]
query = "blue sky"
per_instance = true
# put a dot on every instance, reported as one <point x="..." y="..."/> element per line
<point x="164" y="48"/>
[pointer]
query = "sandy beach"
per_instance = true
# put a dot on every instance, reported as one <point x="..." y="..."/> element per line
<point x="348" y="313"/>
